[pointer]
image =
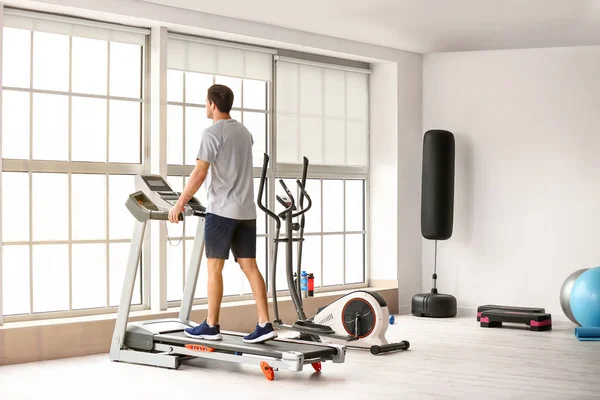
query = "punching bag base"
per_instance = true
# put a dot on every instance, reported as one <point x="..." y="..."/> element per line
<point x="433" y="305"/>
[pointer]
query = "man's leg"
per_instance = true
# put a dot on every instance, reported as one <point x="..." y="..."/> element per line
<point x="218" y="233"/>
<point x="243" y="247"/>
<point x="257" y="283"/>
<point x="215" y="289"/>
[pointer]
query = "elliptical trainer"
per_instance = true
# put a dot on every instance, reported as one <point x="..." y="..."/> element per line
<point x="358" y="319"/>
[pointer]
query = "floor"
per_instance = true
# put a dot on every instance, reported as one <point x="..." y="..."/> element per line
<point x="448" y="359"/>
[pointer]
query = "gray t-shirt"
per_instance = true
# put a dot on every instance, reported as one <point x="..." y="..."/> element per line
<point x="227" y="146"/>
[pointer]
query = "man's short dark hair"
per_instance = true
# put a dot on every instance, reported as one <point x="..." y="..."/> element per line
<point x="222" y="96"/>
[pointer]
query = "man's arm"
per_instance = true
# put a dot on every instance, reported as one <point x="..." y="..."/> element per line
<point x="194" y="183"/>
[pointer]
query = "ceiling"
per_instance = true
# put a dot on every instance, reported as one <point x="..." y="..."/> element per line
<point x="425" y="26"/>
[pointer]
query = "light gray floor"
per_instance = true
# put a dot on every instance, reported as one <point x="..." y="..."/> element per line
<point x="448" y="359"/>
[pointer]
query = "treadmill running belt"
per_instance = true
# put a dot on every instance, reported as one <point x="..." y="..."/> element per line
<point x="272" y="348"/>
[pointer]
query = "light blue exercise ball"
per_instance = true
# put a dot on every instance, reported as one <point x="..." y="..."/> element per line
<point x="585" y="298"/>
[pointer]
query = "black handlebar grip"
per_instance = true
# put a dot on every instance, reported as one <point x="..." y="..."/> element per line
<point x="386" y="348"/>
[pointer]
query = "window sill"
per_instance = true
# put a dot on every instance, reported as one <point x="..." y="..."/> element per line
<point x="173" y="311"/>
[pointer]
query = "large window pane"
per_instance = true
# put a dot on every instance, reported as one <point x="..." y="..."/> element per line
<point x="333" y="210"/>
<point x="88" y="206"/>
<point x="256" y="123"/>
<point x="175" y="270"/>
<point x="88" y="129"/>
<point x="311" y="90"/>
<point x="335" y="93"/>
<point x="195" y="123"/>
<point x="125" y="70"/>
<point x="287" y="139"/>
<point x="16" y="57"/>
<point x="311" y="139"/>
<point x="255" y="94"/>
<point x="15" y="124"/>
<point x="355" y="247"/>
<point x="125" y="131"/>
<point x="311" y="257"/>
<point x="89" y="66"/>
<point x="201" y="288"/>
<point x="50" y="207"/>
<point x="174" y="85"/>
<point x="89" y="275"/>
<point x="357" y="143"/>
<point x="174" y="135"/>
<point x="15" y="280"/>
<point x="15" y="206"/>
<point x="50" y="277"/>
<point x="50" y="61"/>
<point x="357" y="97"/>
<point x="120" y="219"/>
<point x="333" y="262"/>
<point x="335" y="142"/>
<point x="355" y="205"/>
<point x="119" y="254"/>
<point x="313" y="216"/>
<point x="287" y="88"/>
<point x="50" y="127"/>
<point x="235" y="84"/>
<point x="196" y="87"/>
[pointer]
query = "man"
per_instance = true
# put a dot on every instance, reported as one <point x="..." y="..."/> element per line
<point x="225" y="161"/>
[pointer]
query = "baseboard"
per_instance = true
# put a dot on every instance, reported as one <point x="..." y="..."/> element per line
<point x="460" y="311"/>
<point x="75" y="337"/>
<point x="384" y="283"/>
<point x="404" y="310"/>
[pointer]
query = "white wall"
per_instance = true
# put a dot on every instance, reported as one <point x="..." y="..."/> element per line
<point x="527" y="192"/>
<point x="396" y="118"/>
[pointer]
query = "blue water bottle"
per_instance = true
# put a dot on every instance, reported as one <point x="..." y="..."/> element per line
<point x="304" y="284"/>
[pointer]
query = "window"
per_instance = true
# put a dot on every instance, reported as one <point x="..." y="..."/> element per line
<point x="72" y="129"/>
<point x="322" y="114"/>
<point x="193" y="66"/>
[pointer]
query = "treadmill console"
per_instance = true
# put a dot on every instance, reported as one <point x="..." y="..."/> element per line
<point x="154" y="198"/>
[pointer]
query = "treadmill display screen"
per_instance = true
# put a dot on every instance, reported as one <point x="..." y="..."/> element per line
<point x="155" y="183"/>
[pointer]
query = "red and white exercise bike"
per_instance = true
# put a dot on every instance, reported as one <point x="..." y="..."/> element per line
<point x="359" y="319"/>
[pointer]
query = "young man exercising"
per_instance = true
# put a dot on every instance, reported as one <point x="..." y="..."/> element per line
<point x="225" y="161"/>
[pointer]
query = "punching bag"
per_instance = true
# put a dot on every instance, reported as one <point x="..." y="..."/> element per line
<point x="437" y="185"/>
<point x="437" y="216"/>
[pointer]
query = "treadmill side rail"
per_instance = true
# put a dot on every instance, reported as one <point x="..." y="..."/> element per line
<point x="155" y="359"/>
<point x="291" y="361"/>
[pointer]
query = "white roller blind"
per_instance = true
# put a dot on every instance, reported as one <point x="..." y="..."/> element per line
<point x="211" y="57"/>
<point x="74" y="27"/>
<point x="322" y="113"/>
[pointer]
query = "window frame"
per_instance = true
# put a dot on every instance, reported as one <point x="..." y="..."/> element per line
<point x="184" y="170"/>
<point x="294" y="171"/>
<point x="274" y="171"/>
<point x="106" y="168"/>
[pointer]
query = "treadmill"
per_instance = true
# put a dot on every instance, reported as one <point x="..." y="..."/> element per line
<point x="162" y="342"/>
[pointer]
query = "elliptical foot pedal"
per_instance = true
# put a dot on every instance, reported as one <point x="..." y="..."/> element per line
<point x="390" y="347"/>
<point x="481" y="309"/>
<point x="534" y="321"/>
<point x="313" y="328"/>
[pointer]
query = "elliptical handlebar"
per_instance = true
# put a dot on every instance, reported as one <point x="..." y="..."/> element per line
<point x="261" y="187"/>
<point x="302" y="195"/>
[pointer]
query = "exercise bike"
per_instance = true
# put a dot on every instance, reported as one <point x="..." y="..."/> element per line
<point x="359" y="319"/>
